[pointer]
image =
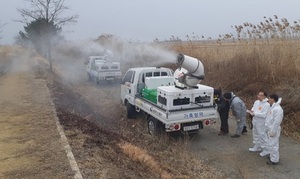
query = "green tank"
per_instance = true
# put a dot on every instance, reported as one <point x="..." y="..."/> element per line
<point x="150" y="94"/>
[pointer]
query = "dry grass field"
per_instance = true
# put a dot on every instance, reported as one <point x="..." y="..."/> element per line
<point x="245" y="67"/>
<point x="258" y="56"/>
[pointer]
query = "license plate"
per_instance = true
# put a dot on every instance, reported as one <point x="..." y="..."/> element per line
<point x="109" y="78"/>
<point x="189" y="128"/>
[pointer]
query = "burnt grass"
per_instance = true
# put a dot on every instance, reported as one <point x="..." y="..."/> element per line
<point x="95" y="147"/>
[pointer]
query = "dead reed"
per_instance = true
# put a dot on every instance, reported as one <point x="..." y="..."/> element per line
<point x="261" y="56"/>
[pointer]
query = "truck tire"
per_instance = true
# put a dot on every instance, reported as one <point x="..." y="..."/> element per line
<point x="102" y="82"/>
<point x="88" y="77"/>
<point x="154" y="126"/>
<point x="95" y="80"/>
<point x="130" y="110"/>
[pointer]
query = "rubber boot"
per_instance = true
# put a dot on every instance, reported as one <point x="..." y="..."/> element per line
<point x="244" y="130"/>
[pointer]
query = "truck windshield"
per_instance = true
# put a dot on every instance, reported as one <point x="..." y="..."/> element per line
<point x="129" y="77"/>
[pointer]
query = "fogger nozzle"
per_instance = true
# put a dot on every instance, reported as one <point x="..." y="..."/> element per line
<point x="180" y="59"/>
<point x="192" y="65"/>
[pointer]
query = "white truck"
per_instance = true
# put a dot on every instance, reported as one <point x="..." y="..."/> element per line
<point x="171" y="102"/>
<point x="102" y="68"/>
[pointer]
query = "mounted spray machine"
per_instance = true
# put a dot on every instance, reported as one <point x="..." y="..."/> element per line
<point x="185" y="106"/>
<point x="190" y="72"/>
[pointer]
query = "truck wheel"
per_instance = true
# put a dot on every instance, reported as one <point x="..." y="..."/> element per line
<point x="95" y="80"/>
<point x="102" y="82"/>
<point x="154" y="126"/>
<point x="130" y="110"/>
<point x="88" y="77"/>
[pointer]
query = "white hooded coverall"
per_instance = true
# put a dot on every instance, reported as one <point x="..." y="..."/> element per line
<point x="239" y="111"/>
<point x="273" y="121"/>
<point x="260" y="110"/>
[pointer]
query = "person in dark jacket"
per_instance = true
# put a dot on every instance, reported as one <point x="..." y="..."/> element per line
<point x="223" y="109"/>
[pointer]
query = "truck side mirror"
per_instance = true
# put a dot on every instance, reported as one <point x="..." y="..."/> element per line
<point x="143" y="78"/>
<point x="86" y="61"/>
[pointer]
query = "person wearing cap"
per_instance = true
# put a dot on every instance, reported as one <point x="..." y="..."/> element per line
<point x="223" y="109"/>
<point x="273" y="129"/>
<point x="238" y="109"/>
<point x="259" y="112"/>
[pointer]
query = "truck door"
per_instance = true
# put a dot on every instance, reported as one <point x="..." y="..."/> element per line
<point x="93" y="68"/>
<point x="127" y="87"/>
<point x="87" y="64"/>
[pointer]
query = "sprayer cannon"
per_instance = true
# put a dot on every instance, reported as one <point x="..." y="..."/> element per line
<point x="190" y="71"/>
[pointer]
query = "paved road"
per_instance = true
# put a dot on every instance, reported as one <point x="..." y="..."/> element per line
<point x="232" y="158"/>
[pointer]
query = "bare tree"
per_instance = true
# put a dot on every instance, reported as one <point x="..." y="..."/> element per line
<point x="51" y="11"/>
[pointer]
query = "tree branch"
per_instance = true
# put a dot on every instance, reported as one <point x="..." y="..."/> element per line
<point x="50" y="10"/>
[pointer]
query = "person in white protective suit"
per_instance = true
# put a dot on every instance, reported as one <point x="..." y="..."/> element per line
<point x="273" y="129"/>
<point x="239" y="111"/>
<point x="259" y="112"/>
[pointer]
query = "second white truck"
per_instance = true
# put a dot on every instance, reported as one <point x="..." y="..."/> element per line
<point x="102" y="68"/>
<point x="171" y="102"/>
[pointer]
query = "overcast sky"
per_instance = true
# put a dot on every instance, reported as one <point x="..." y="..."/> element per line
<point x="145" y="20"/>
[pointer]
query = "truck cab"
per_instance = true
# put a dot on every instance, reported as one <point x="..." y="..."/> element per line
<point x="135" y="80"/>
